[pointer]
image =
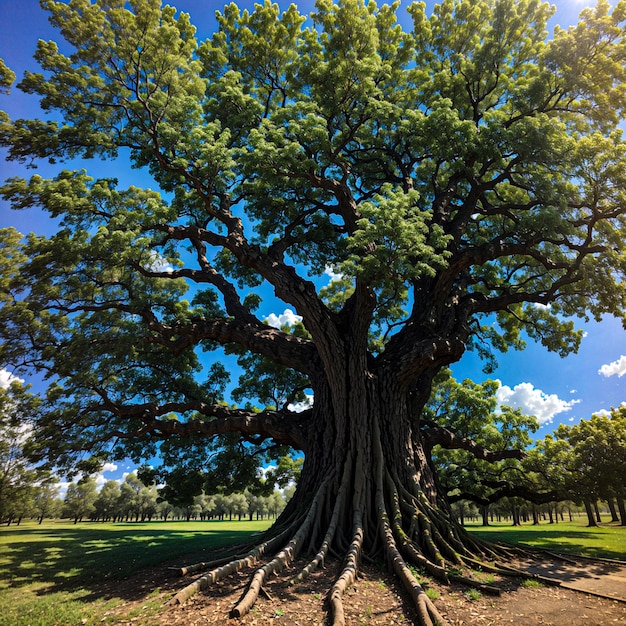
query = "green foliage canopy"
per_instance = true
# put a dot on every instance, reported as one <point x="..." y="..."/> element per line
<point x="586" y="461"/>
<point x="466" y="168"/>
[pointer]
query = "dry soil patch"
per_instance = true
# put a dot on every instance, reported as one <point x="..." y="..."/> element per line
<point x="377" y="599"/>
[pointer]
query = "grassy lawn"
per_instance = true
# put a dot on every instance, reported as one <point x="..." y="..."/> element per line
<point x="606" y="541"/>
<point x="56" y="573"/>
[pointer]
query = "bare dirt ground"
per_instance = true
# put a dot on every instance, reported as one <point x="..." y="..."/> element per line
<point x="376" y="598"/>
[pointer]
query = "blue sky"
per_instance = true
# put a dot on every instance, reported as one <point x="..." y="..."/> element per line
<point x="555" y="389"/>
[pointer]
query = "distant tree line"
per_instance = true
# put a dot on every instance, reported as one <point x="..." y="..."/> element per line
<point x="580" y="464"/>
<point x="517" y="511"/>
<point x="133" y="501"/>
<point x="572" y="469"/>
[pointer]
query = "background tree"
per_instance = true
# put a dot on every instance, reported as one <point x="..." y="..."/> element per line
<point x="109" y="505"/>
<point x="46" y="500"/>
<point x="236" y="504"/>
<point x="476" y="445"/>
<point x="585" y="462"/>
<point x="80" y="499"/>
<point x="600" y="445"/>
<point x="206" y="505"/>
<point x="464" y="179"/>
<point x="138" y="500"/>
<point x="18" y="477"/>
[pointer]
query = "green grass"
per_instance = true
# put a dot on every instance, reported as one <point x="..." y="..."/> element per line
<point x="606" y="541"/>
<point x="57" y="573"/>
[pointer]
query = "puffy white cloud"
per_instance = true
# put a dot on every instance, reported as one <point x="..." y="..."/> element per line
<point x="332" y="274"/>
<point x="287" y="317"/>
<point x="533" y="401"/>
<point x="606" y="412"/>
<point x="157" y="263"/>
<point x="616" y="367"/>
<point x="298" y="407"/>
<point x="100" y="478"/>
<point x="6" y="378"/>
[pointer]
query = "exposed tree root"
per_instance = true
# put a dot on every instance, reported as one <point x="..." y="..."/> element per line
<point x="389" y="523"/>
<point x="232" y="566"/>
<point x="325" y="548"/>
<point x="277" y="564"/>
<point x="348" y="574"/>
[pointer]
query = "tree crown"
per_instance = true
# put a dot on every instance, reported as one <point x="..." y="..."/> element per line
<point x="468" y="167"/>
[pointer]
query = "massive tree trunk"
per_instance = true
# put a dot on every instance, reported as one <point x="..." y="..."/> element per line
<point x="366" y="489"/>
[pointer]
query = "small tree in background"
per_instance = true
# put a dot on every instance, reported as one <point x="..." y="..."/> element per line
<point x="80" y="499"/>
<point x="18" y="477"/>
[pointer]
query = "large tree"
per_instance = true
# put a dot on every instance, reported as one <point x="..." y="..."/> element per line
<point x="463" y="180"/>
<point x="475" y="443"/>
<point x="585" y="462"/>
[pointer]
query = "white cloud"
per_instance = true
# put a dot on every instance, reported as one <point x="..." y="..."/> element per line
<point x="533" y="401"/>
<point x="6" y="378"/>
<point x="62" y="489"/>
<point x="287" y="317"/>
<point x="298" y="407"/>
<point x="157" y="263"/>
<point x="606" y="412"/>
<point x="333" y="275"/>
<point x="616" y="367"/>
<point x="100" y="479"/>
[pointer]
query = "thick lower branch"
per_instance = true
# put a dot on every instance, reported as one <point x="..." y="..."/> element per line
<point x="288" y="350"/>
<point x="506" y="490"/>
<point x="438" y="435"/>
<point x="284" y="427"/>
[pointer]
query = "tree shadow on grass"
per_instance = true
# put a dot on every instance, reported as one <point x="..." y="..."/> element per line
<point x="99" y="558"/>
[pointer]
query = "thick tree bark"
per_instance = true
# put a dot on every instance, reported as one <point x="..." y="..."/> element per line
<point x="366" y="491"/>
